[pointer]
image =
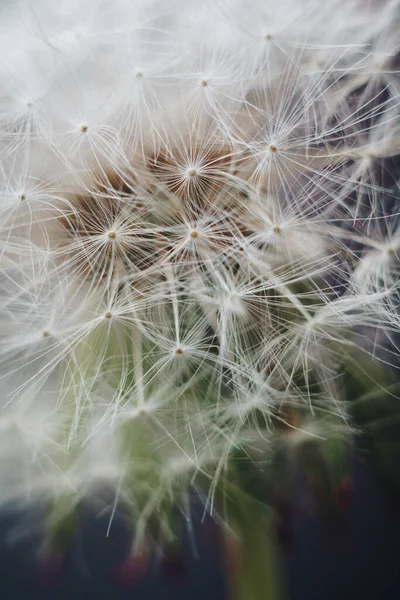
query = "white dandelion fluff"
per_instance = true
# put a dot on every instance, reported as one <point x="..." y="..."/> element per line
<point x="199" y="233"/>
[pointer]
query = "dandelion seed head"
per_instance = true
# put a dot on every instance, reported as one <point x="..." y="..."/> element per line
<point x="207" y="260"/>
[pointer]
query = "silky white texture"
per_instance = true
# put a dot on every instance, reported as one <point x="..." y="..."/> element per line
<point x="193" y="211"/>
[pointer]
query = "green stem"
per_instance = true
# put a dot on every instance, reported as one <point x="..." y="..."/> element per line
<point x="257" y="574"/>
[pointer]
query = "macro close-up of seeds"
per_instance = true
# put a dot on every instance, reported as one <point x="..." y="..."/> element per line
<point x="200" y="260"/>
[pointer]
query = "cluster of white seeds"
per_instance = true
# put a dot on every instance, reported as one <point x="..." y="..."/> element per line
<point x="198" y="221"/>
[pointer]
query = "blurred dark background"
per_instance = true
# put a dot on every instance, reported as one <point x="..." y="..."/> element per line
<point x="356" y="558"/>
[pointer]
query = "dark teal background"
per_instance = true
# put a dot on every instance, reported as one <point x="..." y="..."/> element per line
<point x="358" y="560"/>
